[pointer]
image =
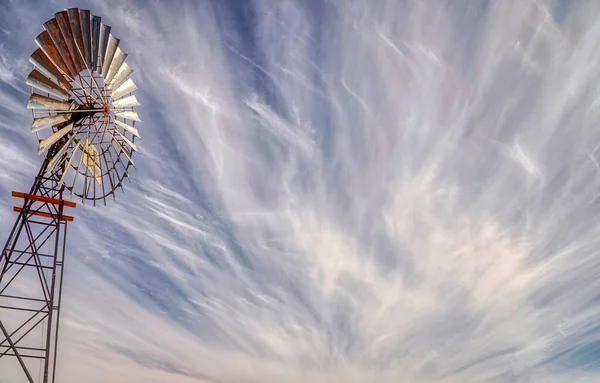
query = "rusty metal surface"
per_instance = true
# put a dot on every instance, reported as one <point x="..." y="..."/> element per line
<point x="69" y="40"/>
<point x="55" y="33"/>
<point x="48" y="121"/>
<point x="128" y="128"/>
<point x="37" y="101"/>
<point x="102" y="44"/>
<point x="127" y="87"/>
<point x="126" y="102"/>
<point x="95" y="40"/>
<point x="44" y="65"/>
<point x="37" y="80"/>
<point x="86" y="35"/>
<point x="111" y="49"/>
<point x="75" y="22"/>
<point x="122" y="74"/>
<point x="117" y="61"/>
<point x="44" y="41"/>
<point x="47" y="142"/>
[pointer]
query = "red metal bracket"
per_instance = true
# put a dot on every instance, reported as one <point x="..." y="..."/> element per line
<point x="44" y="199"/>
<point x="66" y="218"/>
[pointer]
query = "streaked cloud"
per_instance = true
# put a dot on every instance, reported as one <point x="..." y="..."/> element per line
<point x="340" y="191"/>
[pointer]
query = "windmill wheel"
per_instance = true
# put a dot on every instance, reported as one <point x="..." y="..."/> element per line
<point x="82" y="104"/>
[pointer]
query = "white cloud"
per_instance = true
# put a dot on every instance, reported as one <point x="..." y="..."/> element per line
<point x="342" y="192"/>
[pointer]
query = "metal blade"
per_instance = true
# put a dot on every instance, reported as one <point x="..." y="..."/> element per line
<point x="103" y="42"/>
<point x="55" y="33"/>
<point x="84" y="155"/>
<point x="62" y="178"/>
<point x="128" y="128"/>
<point x="127" y="141"/>
<point x="121" y="76"/>
<point x="86" y="35"/>
<point x="91" y="161"/>
<point x="39" y="81"/>
<point x="118" y="60"/>
<point x="126" y="102"/>
<point x="44" y="65"/>
<point x="98" y="171"/>
<point x="65" y="28"/>
<point x="122" y="149"/>
<point x="48" y="121"/>
<point x="57" y="157"/>
<point x="37" y="101"/>
<point x="77" y="172"/>
<point x="75" y="22"/>
<point x="127" y="87"/>
<point x="128" y="115"/>
<point x="96" y="22"/>
<point x="44" y="41"/>
<point x="111" y="49"/>
<point x="44" y="144"/>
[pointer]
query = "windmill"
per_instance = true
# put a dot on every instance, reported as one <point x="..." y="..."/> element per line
<point x="84" y="119"/>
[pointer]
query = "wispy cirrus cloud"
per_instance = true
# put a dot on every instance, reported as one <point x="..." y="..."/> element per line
<point x="346" y="191"/>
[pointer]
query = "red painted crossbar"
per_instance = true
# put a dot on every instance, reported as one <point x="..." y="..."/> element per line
<point x="67" y="218"/>
<point x="43" y="199"/>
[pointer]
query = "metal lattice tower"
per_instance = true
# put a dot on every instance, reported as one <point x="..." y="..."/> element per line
<point x="84" y="120"/>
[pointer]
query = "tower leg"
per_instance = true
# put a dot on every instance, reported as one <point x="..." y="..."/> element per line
<point x="31" y="271"/>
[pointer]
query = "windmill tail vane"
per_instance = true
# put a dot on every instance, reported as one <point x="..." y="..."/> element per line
<point x="84" y="119"/>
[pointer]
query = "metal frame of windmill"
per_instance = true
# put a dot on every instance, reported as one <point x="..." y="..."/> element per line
<point x="84" y="119"/>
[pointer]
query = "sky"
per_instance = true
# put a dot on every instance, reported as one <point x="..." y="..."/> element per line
<point x="335" y="191"/>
